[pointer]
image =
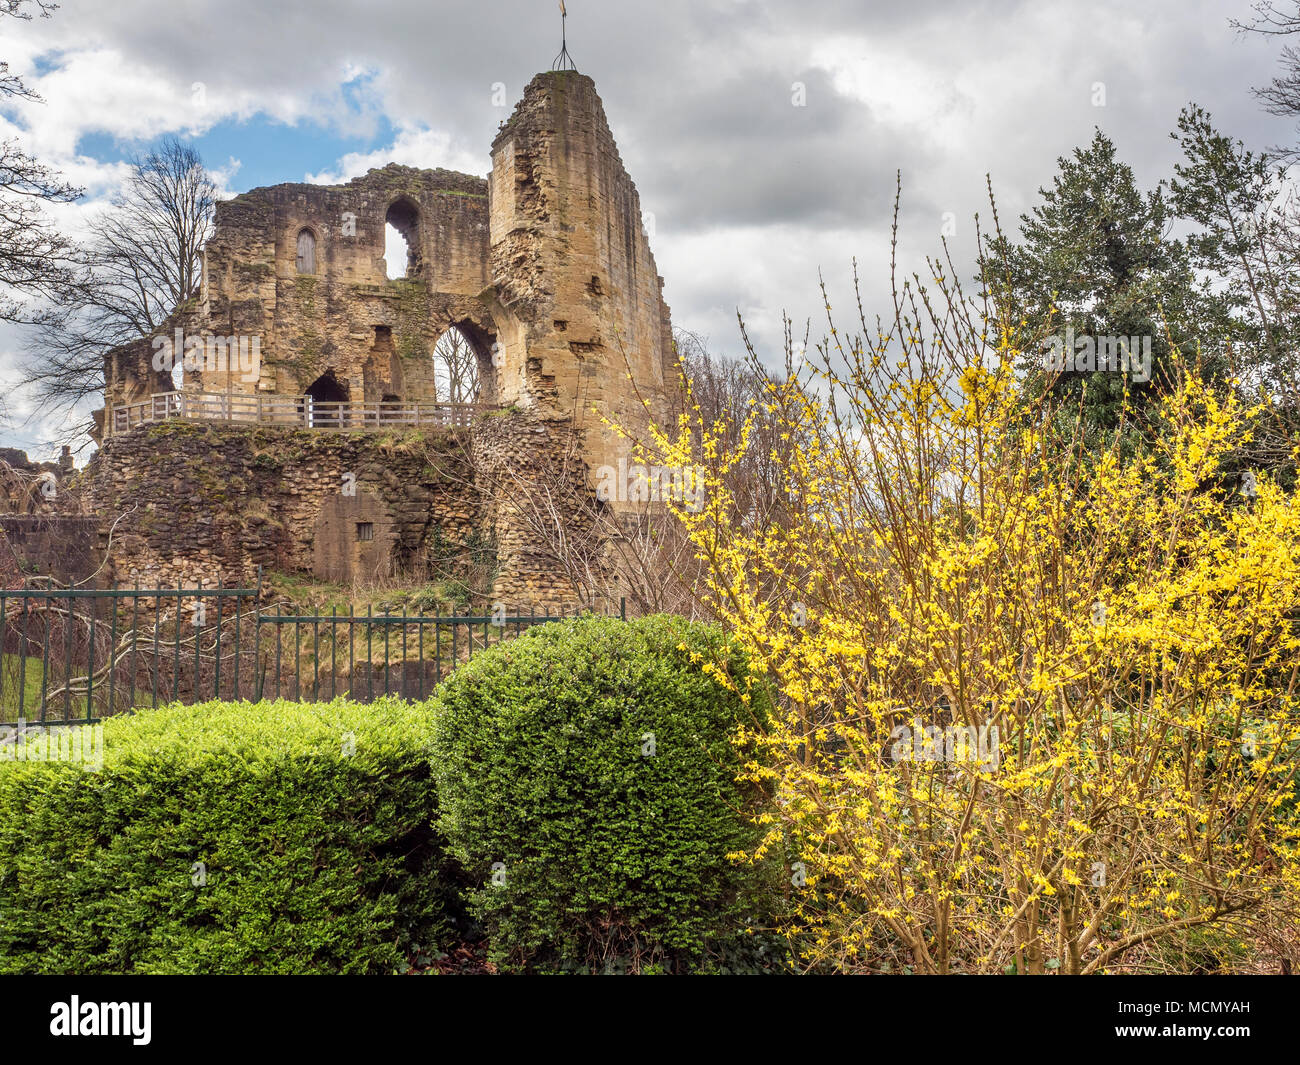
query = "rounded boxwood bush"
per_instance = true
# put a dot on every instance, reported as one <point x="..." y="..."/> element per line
<point x="228" y="838"/>
<point x="587" y="780"/>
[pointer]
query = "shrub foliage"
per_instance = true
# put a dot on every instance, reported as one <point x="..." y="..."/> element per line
<point x="1109" y="626"/>
<point x="227" y="838"/>
<point x="588" y="782"/>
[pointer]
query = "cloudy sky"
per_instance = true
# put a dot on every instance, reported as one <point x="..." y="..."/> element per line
<point x="764" y="136"/>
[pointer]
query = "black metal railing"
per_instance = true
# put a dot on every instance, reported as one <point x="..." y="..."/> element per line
<point x="79" y="655"/>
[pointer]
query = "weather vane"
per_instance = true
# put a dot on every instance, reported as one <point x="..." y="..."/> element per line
<point x="564" y="61"/>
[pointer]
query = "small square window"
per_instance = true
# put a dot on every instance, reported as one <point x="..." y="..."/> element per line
<point x="365" y="530"/>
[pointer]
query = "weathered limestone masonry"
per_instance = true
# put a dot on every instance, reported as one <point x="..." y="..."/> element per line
<point x="202" y="503"/>
<point x="340" y="316"/>
<point x="524" y="462"/>
<point x="575" y="292"/>
<point x="302" y="269"/>
<point x="546" y="270"/>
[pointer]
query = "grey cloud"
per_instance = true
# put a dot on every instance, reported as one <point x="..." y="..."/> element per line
<point x="698" y="96"/>
<point x="740" y="153"/>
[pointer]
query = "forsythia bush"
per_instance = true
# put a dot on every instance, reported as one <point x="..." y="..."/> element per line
<point x="1037" y="700"/>
<point x="227" y="838"/>
<point x="588" y="781"/>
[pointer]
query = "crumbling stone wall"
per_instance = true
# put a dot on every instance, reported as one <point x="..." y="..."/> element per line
<point x="193" y="503"/>
<point x="209" y="503"/>
<point x="45" y="528"/>
<point x="576" y="295"/>
<point x="529" y="470"/>
<point x="343" y="317"/>
<point x="378" y="333"/>
<point x="129" y="374"/>
<point x="547" y="270"/>
<point x="28" y="487"/>
<point x="62" y="546"/>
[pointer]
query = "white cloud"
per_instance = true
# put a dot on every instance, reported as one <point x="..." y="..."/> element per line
<point x="413" y="147"/>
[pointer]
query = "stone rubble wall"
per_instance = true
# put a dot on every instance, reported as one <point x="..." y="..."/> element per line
<point x="64" y="547"/>
<point x="526" y="464"/>
<point x="196" y="503"/>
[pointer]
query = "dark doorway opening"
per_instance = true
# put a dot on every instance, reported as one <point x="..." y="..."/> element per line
<point x="325" y="398"/>
<point x="328" y="389"/>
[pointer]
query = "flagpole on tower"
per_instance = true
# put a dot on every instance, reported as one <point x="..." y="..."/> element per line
<point x="564" y="61"/>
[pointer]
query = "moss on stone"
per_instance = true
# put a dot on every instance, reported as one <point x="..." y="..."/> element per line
<point x="305" y="284"/>
<point x="176" y="428"/>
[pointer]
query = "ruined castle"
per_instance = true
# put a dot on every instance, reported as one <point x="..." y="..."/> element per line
<point x="316" y="439"/>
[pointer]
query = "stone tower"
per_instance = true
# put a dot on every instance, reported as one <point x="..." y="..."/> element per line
<point x="574" y="291"/>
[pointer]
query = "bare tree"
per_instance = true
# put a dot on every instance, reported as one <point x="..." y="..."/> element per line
<point x="1281" y="96"/>
<point x="455" y="368"/>
<point x="640" y="551"/>
<point x="640" y="554"/>
<point x="12" y="84"/>
<point x="36" y="261"/>
<point x="143" y="261"/>
<point x="727" y="392"/>
<point x="637" y="551"/>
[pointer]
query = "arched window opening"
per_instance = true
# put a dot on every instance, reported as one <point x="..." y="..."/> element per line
<point x="306" y="252"/>
<point x="455" y="368"/>
<point x="396" y="253"/>
<point x="401" y="240"/>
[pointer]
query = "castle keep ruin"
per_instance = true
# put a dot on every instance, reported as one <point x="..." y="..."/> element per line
<point x="545" y="270"/>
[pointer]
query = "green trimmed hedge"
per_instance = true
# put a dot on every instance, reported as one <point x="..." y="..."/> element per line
<point x="314" y="859"/>
<point x="587" y="851"/>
